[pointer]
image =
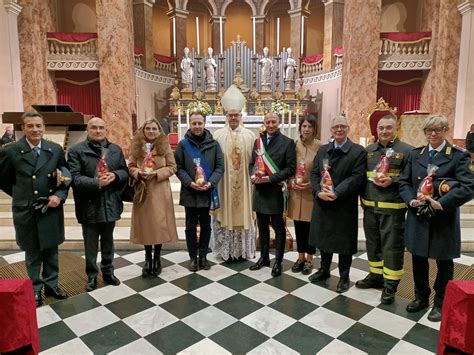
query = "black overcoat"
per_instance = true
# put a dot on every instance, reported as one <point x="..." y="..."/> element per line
<point x="94" y="204"/>
<point x="27" y="177"/>
<point x="268" y="198"/>
<point x="334" y="225"/>
<point x="439" y="238"/>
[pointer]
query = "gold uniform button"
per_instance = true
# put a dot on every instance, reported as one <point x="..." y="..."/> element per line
<point x="33" y="177"/>
<point x="50" y="190"/>
<point x="49" y="175"/>
<point x="35" y="192"/>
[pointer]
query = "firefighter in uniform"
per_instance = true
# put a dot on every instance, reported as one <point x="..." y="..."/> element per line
<point x="384" y="210"/>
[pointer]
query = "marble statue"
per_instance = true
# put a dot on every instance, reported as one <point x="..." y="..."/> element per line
<point x="210" y="66"/>
<point x="266" y="71"/>
<point x="187" y="66"/>
<point x="290" y="71"/>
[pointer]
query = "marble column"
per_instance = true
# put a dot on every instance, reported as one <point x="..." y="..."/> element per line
<point x="143" y="30"/>
<point x="117" y="68"/>
<point x="361" y="56"/>
<point x="36" y="18"/>
<point x="333" y="30"/>
<point x="181" y="19"/>
<point x="11" y="95"/>
<point x="260" y="33"/>
<point x="439" y="92"/>
<point x="465" y="88"/>
<point x="215" y="23"/>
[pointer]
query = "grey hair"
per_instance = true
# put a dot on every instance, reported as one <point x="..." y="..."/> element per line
<point x="340" y="117"/>
<point x="434" y="120"/>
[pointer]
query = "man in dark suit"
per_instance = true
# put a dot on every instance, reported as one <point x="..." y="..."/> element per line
<point x="99" y="174"/>
<point x="29" y="170"/>
<point x="8" y="136"/>
<point x="270" y="189"/>
<point x="438" y="237"/>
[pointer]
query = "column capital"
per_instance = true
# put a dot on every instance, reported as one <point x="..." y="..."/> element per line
<point x="144" y="2"/>
<point x="299" y="12"/>
<point x="329" y="2"/>
<point x="216" y="19"/>
<point x="12" y="7"/>
<point x="259" y="19"/>
<point x="178" y="13"/>
<point x="466" y="7"/>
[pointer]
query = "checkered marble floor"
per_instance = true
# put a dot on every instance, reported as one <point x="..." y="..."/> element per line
<point x="230" y="309"/>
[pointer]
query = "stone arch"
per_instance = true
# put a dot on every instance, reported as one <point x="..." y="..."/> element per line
<point x="267" y="3"/>
<point x="211" y="5"/>
<point x="248" y="2"/>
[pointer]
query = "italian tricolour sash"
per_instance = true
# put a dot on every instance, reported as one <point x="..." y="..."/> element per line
<point x="271" y="168"/>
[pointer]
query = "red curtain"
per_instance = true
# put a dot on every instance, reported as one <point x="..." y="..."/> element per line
<point x="405" y="36"/>
<point x="313" y="59"/>
<point x="80" y="90"/>
<point x="72" y="36"/>
<point x="400" y="89"/>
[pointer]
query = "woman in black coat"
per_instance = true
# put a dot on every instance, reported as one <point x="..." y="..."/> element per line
<point x="439" y="237"/>
<point x="334" y="223"/>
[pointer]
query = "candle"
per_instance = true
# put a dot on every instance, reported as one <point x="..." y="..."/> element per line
<point x="283" y="122"/>
<point x="220" y="35"/>
<point x="289" y="123"/>
<point x="278" y="36"/>
<point x="297" y="122"/>
<point x="302" y="34"/>
<point x="253" y="35"/>
<point x="197" y="33"/>
<point x="174" y="36"/>
<point x="187" y="118"/>
<point x="179" y="124"/>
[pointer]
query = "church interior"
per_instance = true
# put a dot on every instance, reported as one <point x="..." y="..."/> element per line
<point x="130" y="60"/>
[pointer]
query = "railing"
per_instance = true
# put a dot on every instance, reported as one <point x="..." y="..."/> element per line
<point x="338" y="61"/>
<point x="405" y="50"/>
<point x="138" y="60"/>
<point x="164" y="65"/>
<point x="72" y="51"/>
<point x="418" y="48"/>
<point x="312" y="65"/>
<point x="78" y="50"/>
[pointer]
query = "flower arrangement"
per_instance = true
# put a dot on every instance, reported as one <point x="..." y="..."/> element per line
<point x="200" y="106"/>
<point x="280" y="107"/>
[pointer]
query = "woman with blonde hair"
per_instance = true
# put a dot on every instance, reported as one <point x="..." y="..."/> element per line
<point x="152" y="163"/>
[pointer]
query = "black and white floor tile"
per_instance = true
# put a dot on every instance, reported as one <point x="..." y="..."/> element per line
<point x="230" y="309"/>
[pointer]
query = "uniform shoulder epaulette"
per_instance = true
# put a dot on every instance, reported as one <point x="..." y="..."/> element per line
<point x="8" y="144"/>
<point x="457" y="147"/>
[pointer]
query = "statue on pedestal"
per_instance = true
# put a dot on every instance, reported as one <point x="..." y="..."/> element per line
<point x="187" y="71"/>
<point x="266" y="71"/>
<point x="210" y="66"/>
<point x="290" y="71"/>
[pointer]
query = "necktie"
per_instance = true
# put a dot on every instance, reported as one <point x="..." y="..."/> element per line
<point x="432" y="154"/>
<point x="37" y="150"/>
<point x="269" y="138"/>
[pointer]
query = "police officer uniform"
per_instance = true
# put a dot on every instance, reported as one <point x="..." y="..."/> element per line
<point x="384" y="217"/>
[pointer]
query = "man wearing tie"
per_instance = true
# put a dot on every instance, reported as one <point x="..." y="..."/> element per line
<point x="29" y="171"/>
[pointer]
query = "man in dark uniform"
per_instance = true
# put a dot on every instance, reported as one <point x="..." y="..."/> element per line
<point x="8" y="136"/>
<point x="99" y="174"/>
<point x="268" y="198"/>
<point x="384" y="211"/>
<point x="438" y="237"/>
<point x="29" y="174"/>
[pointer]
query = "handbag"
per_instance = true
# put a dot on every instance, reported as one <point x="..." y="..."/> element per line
<point x="128" y="192"/>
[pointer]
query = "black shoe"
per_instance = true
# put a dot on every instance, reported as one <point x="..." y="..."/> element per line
<point x="204" y="264"/>
<point x="259" y="264"/>
<point x="388" y="296"/>
<point x="342" y="285"/>
<point x="156" y="266"/>
<point x="319" y="275"/>
<point x="298" y="265"/>
<point x="435" y="314"/>
<point x="147" y="270"/>
<point x="111" y="280"/>
<point x="193" y="266"/>
<point x="55" y="292"/>
<point x="308" y="268"/>
<point x="91" y="284"/>
<point x="38" y="299"/>
<point x="276" y="270"/>
<point x="417" y="305"/>
<point x="371" y="281"/>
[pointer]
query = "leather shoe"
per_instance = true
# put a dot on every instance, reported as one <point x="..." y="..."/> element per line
<point x="55" y="292"/>
<point x="308" y="268"/>
<point x="342" y="285"/>
<point x="435" y="314"/>
<point x="259" y="264"/>
<point x="370" y="281"/>
<point x="38" y="299"/>
<point x="388" y="296"/>
<point x="91" y="284"/>
<point x="298" y="265"/>
<point x="417" y="305"/>
<point x="276" y="270"/>
<point x="193" y="266"/>
<point x="204" y="264"/>
<point x="319" y="275"/>
<point x="111" y="280"/>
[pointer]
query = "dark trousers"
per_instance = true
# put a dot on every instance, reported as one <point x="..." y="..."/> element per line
<point x="49" y="259"/>
<point x="302" y="237"/>
<point x="385" y="246"/>
<point x="92" y="233"/>
<point x="278" y="224"/>
<point x="344" y="265"/>
<point x="421" y="269"/>
<point x="194" y="216"/>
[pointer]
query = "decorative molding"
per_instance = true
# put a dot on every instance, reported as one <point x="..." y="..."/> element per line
<point x="405" y="64"/>
<point x="12" y="7"/>
<point x="465" y="7"/>
<point x="333" y="74"/>
<point x="73" y="65"/>
<point x="161" y="79"/>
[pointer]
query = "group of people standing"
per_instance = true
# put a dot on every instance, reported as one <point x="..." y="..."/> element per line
<point x="234" y="183"/>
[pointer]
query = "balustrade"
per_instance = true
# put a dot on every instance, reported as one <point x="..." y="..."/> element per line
<point x="75" y="50"/>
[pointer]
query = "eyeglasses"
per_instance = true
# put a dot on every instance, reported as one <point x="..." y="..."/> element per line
<point x="339" y="127"/>
<point x="437" y="130"/>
